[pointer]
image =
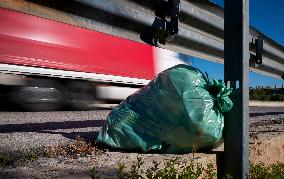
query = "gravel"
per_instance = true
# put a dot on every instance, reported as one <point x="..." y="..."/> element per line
<point x="266" y="123"/>
<point x="26" y="134"/>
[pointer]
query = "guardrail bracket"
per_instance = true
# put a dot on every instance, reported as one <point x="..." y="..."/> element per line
<point x="163" y="29"/>
<point x="257" y="45"/>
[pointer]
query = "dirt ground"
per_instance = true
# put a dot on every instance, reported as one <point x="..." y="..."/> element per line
<point x="267" y="140"/>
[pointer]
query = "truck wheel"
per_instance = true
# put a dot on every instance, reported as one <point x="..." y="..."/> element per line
<point x="81" y="95"/>
<point x="43" y="95"/>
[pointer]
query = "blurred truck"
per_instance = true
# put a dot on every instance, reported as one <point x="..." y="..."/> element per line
<point x="48" y="65"/>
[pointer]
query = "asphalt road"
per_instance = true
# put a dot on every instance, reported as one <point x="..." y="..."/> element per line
<point x="20" y="131"/>
<point x="261" y="111"/>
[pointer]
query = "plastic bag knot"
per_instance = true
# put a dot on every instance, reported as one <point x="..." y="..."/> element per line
<point x="218" y="89"/>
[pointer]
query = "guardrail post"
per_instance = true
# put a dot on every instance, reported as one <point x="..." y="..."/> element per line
<point x="236" y="69"/>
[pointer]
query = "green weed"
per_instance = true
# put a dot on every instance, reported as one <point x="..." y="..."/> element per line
<point x="260" y="171"/>
<point x="5" y="160"/>
<point x="178" y="169"/>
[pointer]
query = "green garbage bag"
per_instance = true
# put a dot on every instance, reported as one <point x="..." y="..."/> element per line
<point x="177" y="110"/>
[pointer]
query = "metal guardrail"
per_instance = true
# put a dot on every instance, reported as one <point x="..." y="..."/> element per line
<point x="201" y="27"/>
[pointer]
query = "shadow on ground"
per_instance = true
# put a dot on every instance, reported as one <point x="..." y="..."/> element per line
<point x="50" y="127"/>
<point x="24" y="172"/>
<point x="255" y="114"/>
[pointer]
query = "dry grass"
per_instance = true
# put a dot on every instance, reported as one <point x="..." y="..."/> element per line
<point x="79" y="148"/>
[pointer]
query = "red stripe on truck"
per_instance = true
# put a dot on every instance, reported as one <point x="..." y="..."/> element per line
<point x="34" y="41"/>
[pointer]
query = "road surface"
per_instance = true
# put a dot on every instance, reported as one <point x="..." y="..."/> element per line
<point x="22" y="130"/>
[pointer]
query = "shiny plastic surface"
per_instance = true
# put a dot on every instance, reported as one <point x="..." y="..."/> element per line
<point x="180" y="108"/>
